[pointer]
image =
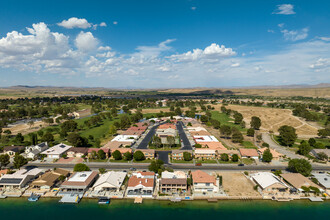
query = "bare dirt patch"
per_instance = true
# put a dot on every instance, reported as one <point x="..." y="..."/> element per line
<point x="272" y="119"/>
<point x="236" y="184"/>
<point x="25" y="128"/>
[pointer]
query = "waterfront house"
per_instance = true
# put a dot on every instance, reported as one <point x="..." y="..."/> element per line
<point x="205" y="154"/>
<point x="173" y="182"/>
<point x="49" y="179"/>
<point x="249" y="153"/>
<point x="110" y="181"/>
<point x="324" y="180"/>
<point x="32" y="152"/>
<point x="299" y="182"/>
<point x="269" y="183"/>
<point x="276" y="155"/>
<point x="77" y="152"/>
<point x="79" y="182"/>
<point x="178" y="154"/>
<point x="12" y="150"/>
<point x="148" y="153"/>
<point x="203" y="182"/>
<point x="57" y="151"/>
<point x="20" y="178"/>
<point x="141" y="184"/>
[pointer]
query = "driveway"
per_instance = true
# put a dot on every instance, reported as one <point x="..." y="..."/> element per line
<point x="163" y="155"/>
<point x="183" y="137"/>
<point x="281" y="149"/>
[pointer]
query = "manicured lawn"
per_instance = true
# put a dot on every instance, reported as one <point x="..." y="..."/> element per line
<point x="228" y="162"/>
<point x="248" y="144"/>
<point x="181" y="161"/>
<point x="225" y="120"/>
<point x="142" y="161"/>
<point x="119" y="161"/>
<point x="248" y="161"/>
<point x="98" y="160"/>
<point x="206" y="161"/>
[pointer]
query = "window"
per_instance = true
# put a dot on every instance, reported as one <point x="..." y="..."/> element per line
<point x="207" y="184"/>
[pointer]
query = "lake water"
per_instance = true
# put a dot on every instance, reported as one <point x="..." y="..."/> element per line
<point x="158" y="210"/>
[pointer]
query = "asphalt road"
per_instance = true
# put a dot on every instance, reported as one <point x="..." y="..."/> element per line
<point x="183" y="137"/>
<point x="267" y="138"/>
<point x="215" y="167"/>
<point x="144" y="143"/>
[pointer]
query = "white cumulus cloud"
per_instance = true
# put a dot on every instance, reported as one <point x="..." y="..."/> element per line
<point x="284" y="9"/>
<point x="295" y="35"/>
<point x="75" y="23"/>
<point x="85" y="41"/>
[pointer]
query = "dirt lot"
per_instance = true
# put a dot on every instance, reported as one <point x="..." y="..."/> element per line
<point x="25" y="128"/>
<point x="272" y="119"/>
<point x="236" y="184"/>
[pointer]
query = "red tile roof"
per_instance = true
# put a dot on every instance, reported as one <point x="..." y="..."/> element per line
<point x="135" y="181"/>
<point x="199" y="176"/>
<point x="245" y="152"/>
<point x="166" y="126"/>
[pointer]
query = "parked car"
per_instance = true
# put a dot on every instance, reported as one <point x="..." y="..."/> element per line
<point x="241" y="165"/>
<point x="132" y="169"/>
<point x="198" y="164"/>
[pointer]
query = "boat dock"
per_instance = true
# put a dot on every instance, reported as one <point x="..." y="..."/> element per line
<point x="315" y="199"/>
<point x="138" y="200"/>
<point x="70" y="198"/>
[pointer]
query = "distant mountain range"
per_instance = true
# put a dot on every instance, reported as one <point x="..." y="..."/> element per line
<point x="293" y="86"/>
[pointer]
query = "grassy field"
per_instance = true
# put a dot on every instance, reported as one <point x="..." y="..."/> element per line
<point x="225" y="120"/>
<point x="227" y="162"/>
<point x="248" y="161"/>
<point x="181" y="161"/>
<point x="248" y="144"/>
<point x="206" y="161"/>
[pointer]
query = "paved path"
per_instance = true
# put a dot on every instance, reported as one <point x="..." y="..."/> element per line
<point x="281" y="149"/>
<point x="183" y="136"/>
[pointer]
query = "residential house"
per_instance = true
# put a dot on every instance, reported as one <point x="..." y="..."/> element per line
<point x="141" y="184"/>
<point x="57" y="151"/>
<point x="77" y="152"/>
<point x="173" y="182"/>
<point x="166" y="126"/>
<point x="276" y="155"/>
<point x="249" y="153"/>
<point x="12" y="150"/>
<point x="3" y="172"/>
<point x="49" y="179"/>
<point x="165" y="133"/>
<point x="200" y="133"/>
<point x="32" y="152"/>
<point x="96" y="150"/>
<point x="128" y="139"/>
<point x="269" y="183"/>
<point x="122" y="151"/>
<point x="205" y="138"/>
<point x="205" y="154"/>
<point x="79" y="182"/>
<point x="203" y="182"/>
<point x="19" y="179"/>
<point x="178" y="154"/>
<point x="149" y="154"/>
<point x="324" y="180"/>
<point x="213" y="145"/>
<point x="110" y="181"/>
<point x="299" y="182"/>
<point x="114" y="144"/>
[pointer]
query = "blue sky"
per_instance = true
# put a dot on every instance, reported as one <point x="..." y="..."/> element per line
<point x="152" y="44"/>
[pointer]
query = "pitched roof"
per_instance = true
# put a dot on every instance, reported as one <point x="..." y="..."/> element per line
<point x="57" y="149"/>
<point x="272" y="151"/>
<point x="90" y="150"/>
<point x="80" y="178"/>
<point x="247" y="152"/>
<point x="297" y="180"/>
<point x="122" y="150"/>
<point x="204" y="151"/>
<point x="116" y="179"/>
<point x="13" y="148"/>
<point x="200" y="133"/>
<point x="266" y="179"/>
<point x="213" y="145"/>
<point x="61" y="171"/>
<point x="135" y="181"/>
<point x="173" y="181"/>
<point x="82" y="150"/>
<point x="47" y="179"/>
<point x="199" y="176"/>
<point x="166" y="126"/>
